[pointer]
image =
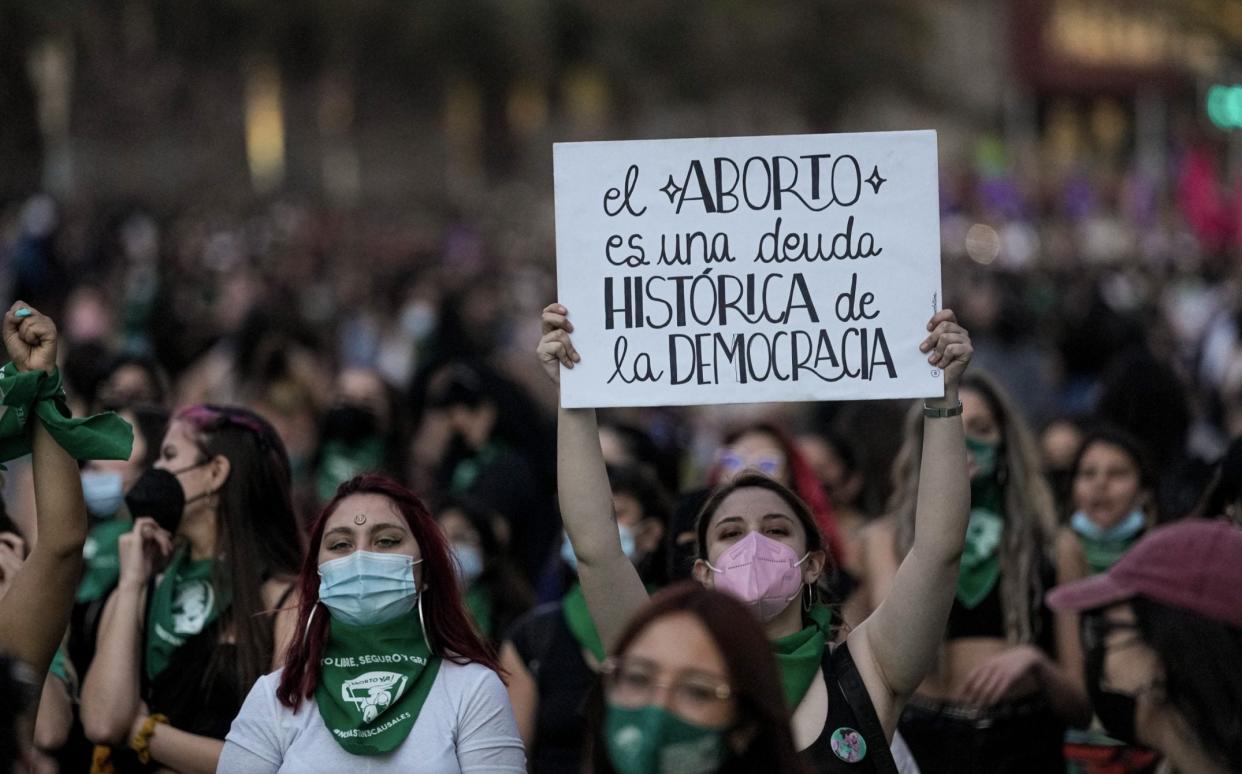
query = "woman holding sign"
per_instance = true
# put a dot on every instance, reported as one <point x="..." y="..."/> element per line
<point x="757" y="540"/>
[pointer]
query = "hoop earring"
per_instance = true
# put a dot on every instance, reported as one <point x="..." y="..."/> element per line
<point x="309" y="620"/>
<point x="808" y="599"/>
<point x="422" y="625"/>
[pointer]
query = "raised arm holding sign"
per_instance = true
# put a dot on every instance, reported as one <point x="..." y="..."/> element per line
<point x="900" y="355"/>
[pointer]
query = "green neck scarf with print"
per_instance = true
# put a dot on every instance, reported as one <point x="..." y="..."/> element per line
<point x="39" y="394"/>
<point x="980" y="567"/>
<point x="801" y="655"/>
<point x="184" y="602"/>
<point x="373" y="681"/>
<point x="103" y="559"/>
<point x="578" y="619"/>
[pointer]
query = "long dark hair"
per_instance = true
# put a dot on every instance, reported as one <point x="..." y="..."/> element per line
<point x="449" y="630"/>
<point x="258" y="535"/>
<point x="1030" y="514"/>
<point x="753" y="480"/>
<point x="753" y="677"/>
<point x="1201" y="676"/>
<point x="1130" y="446"/>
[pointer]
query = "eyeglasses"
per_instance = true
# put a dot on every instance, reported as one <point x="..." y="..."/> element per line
<point x="766" y="464"/>
<point x="638" y="683"/>
<point x="1096" y="630"/>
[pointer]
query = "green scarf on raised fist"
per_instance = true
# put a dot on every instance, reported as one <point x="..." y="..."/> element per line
<point x="373" y="681"/>
<point x="24" y="394"/>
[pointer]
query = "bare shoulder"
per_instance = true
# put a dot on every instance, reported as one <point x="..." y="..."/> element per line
<point x="280" y="593"/>
<point x="1071" y="563"/>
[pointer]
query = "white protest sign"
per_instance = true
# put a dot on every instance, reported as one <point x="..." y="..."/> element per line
<point x="748" y="269"/>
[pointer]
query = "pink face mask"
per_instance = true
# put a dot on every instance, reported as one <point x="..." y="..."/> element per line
<point x="761" y="572"/>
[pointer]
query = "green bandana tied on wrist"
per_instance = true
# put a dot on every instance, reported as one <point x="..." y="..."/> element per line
<point x="373" y="681"/>
<point x="37" y="393"/>
<point x="801" y="654"/>
<point x="184" y="602"/>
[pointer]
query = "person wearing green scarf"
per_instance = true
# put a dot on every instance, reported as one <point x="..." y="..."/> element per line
<point x="999" y="689"/>
<point x="200" y="607"/>
<point x="34" y="612"/>
<point x="387" y="675"/>
<point x="758" y="541"/>
<point x="1111" y="490"/>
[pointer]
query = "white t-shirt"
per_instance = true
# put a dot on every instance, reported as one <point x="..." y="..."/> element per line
<point x="466" y="725"/>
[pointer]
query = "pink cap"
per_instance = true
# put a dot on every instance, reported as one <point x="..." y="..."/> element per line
<point x="1194" y="564"/>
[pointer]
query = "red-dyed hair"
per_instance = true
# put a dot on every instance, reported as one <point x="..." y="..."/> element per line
<point x="802" y="480"/>
<point x="451" y="634"/>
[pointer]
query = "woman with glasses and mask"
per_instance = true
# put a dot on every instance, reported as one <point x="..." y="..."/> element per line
<point x="387" y="673"/>
<point x="766" y="448"/>
<point x="196" y="616"/>
<point x="693" y="689"/>
<point x="1162" y="634"/>
<point x="999" y="700"/>
<point x="758" y="541"/>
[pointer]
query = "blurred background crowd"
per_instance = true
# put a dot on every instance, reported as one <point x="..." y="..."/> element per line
<point x="339" y="215"/>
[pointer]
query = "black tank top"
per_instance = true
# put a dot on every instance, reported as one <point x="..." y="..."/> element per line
<point x="564" y="680"/>
<point x="851" y="716"/>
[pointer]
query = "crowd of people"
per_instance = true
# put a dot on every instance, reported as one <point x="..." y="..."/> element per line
<point x="344" y="520"/>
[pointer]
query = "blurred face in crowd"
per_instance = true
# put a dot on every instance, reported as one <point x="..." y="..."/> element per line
<point x="382" y="530"/>
<point x="1059" y="444"/>
<point x="674" y="664"/>
<point x="458" y="529"/>
<point x="129" y="384"/>
<point x="199" y="477"/>
<point x="648" y="532"/>
<point x="982" y="426"/>
<point x="841" y="484"/>
<point x="364" y="388"/>
<point x="754" y="450"/>
<point x="131" y="468"/>
<point x="1107" y="484"/>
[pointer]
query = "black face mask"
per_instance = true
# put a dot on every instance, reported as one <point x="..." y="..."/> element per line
<point x="158" y="494"/>
<point x="1115" y="710"/>
<point x="351" y="424"/>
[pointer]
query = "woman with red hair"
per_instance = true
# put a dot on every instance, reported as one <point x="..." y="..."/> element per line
<point x="387" y="664"/>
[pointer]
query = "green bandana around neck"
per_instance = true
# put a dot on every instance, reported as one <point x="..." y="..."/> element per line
<point x="801" y="655"/>
<point x="373" y="681"/>
<point x="1102" y="553"/>
<point x="37" y="393"/>
<point x="578" y="618"/>
<point x="980" y="567"/>
<point x="185" y="601"/>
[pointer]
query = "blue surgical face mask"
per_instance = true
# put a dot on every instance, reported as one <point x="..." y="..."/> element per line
<point x="469" y="563"/>
<point x="366" y="588"/>
<point x="1125" y="529"/>
<point x="104" y="492"/>
<point x="628" y="546"/>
